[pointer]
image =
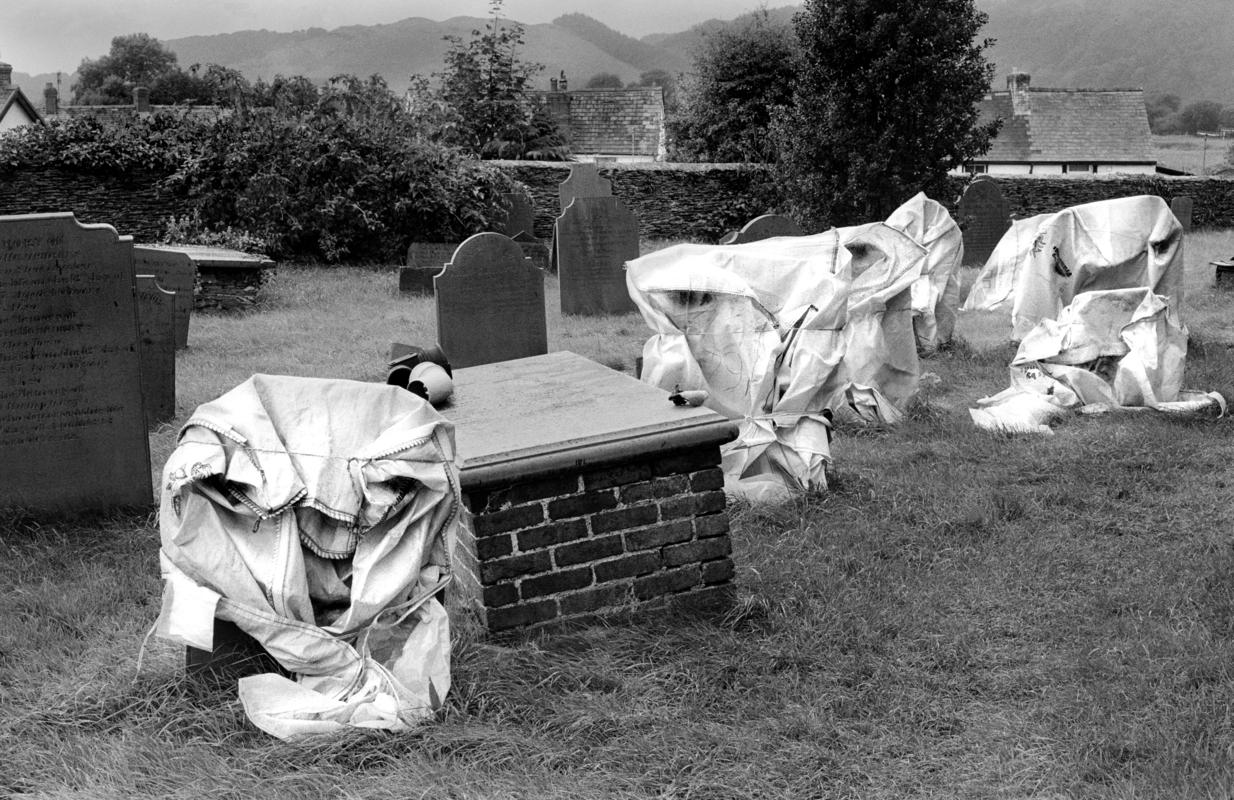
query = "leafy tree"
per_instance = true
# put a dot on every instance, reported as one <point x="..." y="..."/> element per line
<point x="742" y="72"/>
<point x="884" y="106"/>
<point x="137" y="59"/>
<point x="486" y="86"/>
<point x="1203" y="115"/>
<point x="663" y="79"/>
<point x="1162" y="109"/>
<point x="604" y="80"/>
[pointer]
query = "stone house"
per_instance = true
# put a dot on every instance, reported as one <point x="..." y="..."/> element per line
<point x="1065" y="131"/>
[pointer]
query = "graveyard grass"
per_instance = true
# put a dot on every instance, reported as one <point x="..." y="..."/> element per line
<point x="962" y="615"/>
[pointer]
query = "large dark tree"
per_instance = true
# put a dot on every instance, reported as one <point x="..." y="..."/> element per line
<point x="138" y="59"/>
<point x="742" y="72"/>
<point x="885" y="105"/>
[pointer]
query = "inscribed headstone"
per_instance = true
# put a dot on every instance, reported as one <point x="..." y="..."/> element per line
<point x="424" y="261"/>
<point x="175" y="272"/>
<point x="983" y="217"/>
<point x="1182" y="206"/>
<point x="584" y="181"/>
<point x="766" y="227"/>
<point x="156" y="329"/>
<point x="595" y="237"/>
<point x="72" y="428"/>
<point x="490" y="303"/>
<point x="519" y="215"/>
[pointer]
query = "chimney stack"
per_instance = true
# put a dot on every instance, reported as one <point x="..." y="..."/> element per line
<point x="51" y="100"/>
<point x="141" y="98"/>
<point x="1017" y="87"/>
<point x="6" y="75"/>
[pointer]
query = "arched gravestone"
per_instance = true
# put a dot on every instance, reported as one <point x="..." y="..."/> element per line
<point x="594" y="239"/>
<point x="518" y="215"/>
<point x="1182" y="207"/>
<point x="766" y="227"/>
<point x="72" y="428"/>
<point x="983" y="217"/>
<point x="175" y="272"/>
<point x="584" y="181"/>
<point x="490" y="303"/>
<point x="156" y="331"/>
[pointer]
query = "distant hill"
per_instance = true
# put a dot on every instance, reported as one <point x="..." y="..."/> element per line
<point x="1183" y="48"/>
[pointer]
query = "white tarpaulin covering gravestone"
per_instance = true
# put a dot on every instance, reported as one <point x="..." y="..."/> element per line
<point x="1042" y="263"/>
<point x="1108" y="350"/>
<point x="313" y="514"/>
<point x="936" y="294"/>
<point x="779" y="331"/>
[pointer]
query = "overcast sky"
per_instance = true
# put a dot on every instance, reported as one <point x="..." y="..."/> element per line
<point x="49" y="35"/>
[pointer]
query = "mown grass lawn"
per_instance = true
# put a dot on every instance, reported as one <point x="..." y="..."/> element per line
<point x="963" y="615"/>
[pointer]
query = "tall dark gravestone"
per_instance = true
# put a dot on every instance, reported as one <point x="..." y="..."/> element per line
<point x="424" y="261"/>
<point x="594" y="239"/>
<point x="72" y="427"/>
<point x="984" y="217"/>
<point x="156" y="329"/>
<point x="175" y="272"/>
<point x="490" y="303"/>
<point x="1182" y="207"/>
<point x="584" y="181"/>
<point x="766" y="227"/>
<point x="520" y="215"/>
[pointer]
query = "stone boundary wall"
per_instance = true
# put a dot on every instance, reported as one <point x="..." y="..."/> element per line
<point x="1029" y="195"/>
<point x="569" y="547"/>
<point x="698" y="202"/>
<point x="130" y="203"/>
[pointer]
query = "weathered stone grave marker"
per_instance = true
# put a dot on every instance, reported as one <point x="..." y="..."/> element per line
<point x="594" y="239"/>
<point x="766" y="227"/>
<point x="227" y="280"/>
<point x="490" y="303"/>
<point x="156" y="332"/>
<point x="425" y="260"/>
<point x="984" y="217"/>
<point x="175" y="272"/>
<point x="584" y="181"/>
<point x="519" y="215"/>
<point x="1182" y="207"/>
<point x="72" y="427"/>
<point x="534" y="250"/>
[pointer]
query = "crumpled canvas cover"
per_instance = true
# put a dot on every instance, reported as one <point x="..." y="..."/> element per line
<point x="777" y="332"/>
<point x="936" y="294"/>
<point x="314" y="514"/>
<point x="1043" y="262"/>
<point x="1119" y="348"/>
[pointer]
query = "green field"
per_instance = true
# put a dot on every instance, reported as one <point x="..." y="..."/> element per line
<point x="963" y="615"/>
<point x="1195" y="154"/>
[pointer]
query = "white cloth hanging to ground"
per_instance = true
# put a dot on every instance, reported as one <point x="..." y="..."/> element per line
<point x="781" y="333"/>
<point x="315" y="515"/>
<point x="1043" y="262"/>
<point x="1107" y="351"/>
<point x="936" y="294"/>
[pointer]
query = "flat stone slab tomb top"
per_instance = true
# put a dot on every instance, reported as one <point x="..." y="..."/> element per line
<point x="226" y="279"/>
<point x="590" y="490"/>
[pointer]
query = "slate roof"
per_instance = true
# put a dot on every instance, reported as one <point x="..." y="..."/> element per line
<point x="1093" y="125"/>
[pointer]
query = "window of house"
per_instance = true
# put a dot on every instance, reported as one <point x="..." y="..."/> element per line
<point x="1076" y="166"/>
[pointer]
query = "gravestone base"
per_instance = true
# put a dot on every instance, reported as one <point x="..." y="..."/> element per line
<point x="634" y="535"/>
<point x="1224" y="277"/>
<point x="416" y="280"/>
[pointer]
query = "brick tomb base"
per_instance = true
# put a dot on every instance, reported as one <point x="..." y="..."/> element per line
<point x="569" y="546"/>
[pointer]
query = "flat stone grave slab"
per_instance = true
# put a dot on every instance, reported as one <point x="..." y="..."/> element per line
<point x="156" y="328"/>
<point x="766" y="227"/>
<point x="594" y="239"/>
<point x="983" y="217"/>
<point x="1182" y="207"/>
<point x="227" y="280"/>
<point x="520" y="215"/>
<point x="563" y="411"/>
<point x="584" y="181"/>
<point x="490" y="303"/>
<point x="425" y="260"/>
<point x="72" y="426"/>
